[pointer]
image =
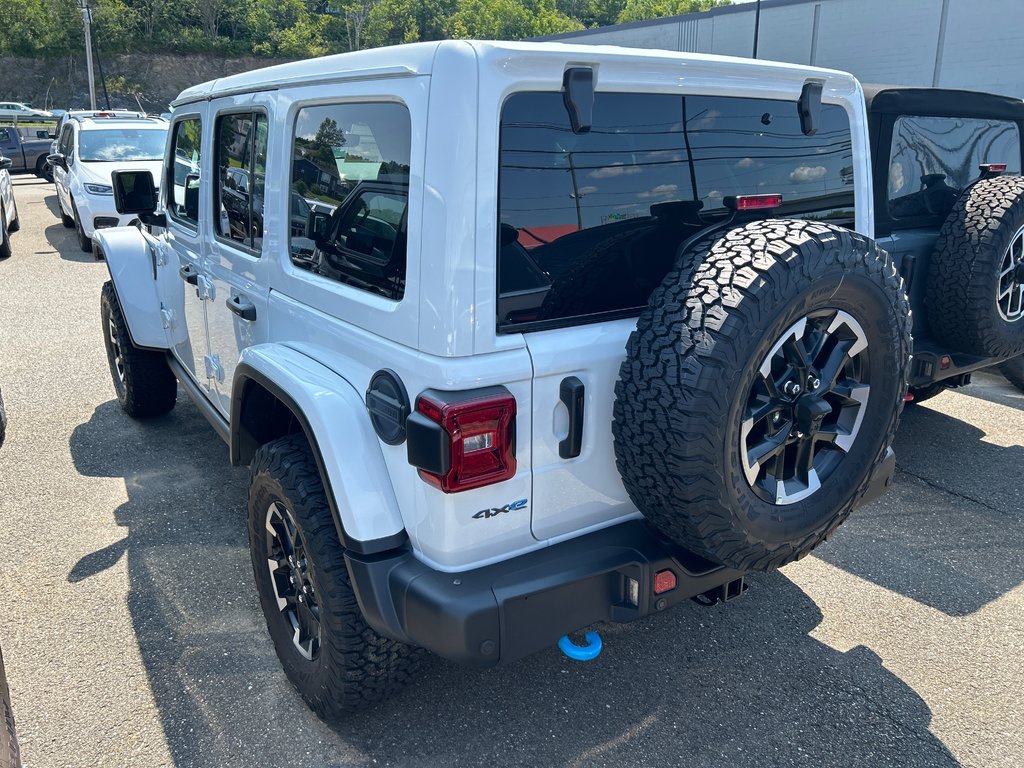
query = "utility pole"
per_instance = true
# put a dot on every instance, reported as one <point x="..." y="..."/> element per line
<point x="757" y="25"/>
<point x="87" y="21"/>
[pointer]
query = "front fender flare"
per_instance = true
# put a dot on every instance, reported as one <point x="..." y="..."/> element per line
<point x="333" y="417"/>
<point x="132" y="267"/>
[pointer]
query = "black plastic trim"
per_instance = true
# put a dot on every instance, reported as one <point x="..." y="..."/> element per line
<point x="572" y="393"/>
<point x="218" y="422"/>
<point x="926" y="370"/>
<point x="387" y="402"/>
<point x="245" y="373"/>
<point x="505" y="611"/>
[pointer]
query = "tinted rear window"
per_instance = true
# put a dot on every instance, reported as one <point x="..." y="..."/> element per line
<point x="590" y="223"/>
<point x="934" y="158"/>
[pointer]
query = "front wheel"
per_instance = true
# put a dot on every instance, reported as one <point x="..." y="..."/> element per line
<point x="761" y="389"/>
<point x="84" y="241"/>
<point x="332" y="657"/>
<point x="143" y="381"/>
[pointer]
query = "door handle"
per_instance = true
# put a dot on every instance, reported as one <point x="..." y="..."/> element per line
<point x="189" y="274"/>
<point x="571" y="392"/>
<point x="242" y="307"/>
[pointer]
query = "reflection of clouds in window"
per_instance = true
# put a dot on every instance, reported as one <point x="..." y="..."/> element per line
<point x="615" y="169"/>
<point x="714" y="194"/>
<point x="896" y="178"/>
<point x="662" y="190"/>
<point x="746" y="162"/>
<point x="704" y="121"/>
<point x="586" y="190"/>
<point x="804" y="174"/>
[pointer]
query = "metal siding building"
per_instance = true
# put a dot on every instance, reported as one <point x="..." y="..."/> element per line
<point x="973" y="44"/>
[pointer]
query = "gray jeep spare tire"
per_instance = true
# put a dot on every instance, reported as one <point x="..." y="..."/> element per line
<point x="975" y="288"/>
<point x="761" y="387"/>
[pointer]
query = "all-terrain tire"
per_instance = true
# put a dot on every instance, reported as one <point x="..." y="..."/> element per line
<point x="5" y="237"/>
<point x="927" y="392"/>
<point x="354" y="666"/>
<point x="84" y="241"/>
<point x="963" y="277"/>
<point x="691" y="369"/>
<point x="1013" y="370"/>
<point x="143" y="381"/>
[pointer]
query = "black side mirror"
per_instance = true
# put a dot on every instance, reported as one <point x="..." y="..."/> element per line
<point x="134" y="192"/>
<point x="6" y="163"/>
<point x="316" y="226"/>
<point x="192" y="196"/>
<point x="57" y="159"/>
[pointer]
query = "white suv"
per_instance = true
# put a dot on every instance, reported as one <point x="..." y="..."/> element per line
<point x="88" y="150"/>
<point x="572" y="334"/>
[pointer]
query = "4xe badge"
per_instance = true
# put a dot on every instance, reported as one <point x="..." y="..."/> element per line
<point x="486" y="514"/>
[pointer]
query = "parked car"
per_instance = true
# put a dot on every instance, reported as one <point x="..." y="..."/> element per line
<point x="10" y="754"/>
<point x="588" y="332"/>
<point x="9" y="220"/>
<point x="16" y="111"/>
<point x="949" y="207"/>
<point x="89" y="149"/>
<point x="64" y="116"/>
<point x="27" y="153"/>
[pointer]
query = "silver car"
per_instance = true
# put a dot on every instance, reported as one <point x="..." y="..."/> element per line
<point x="13" y="110"/>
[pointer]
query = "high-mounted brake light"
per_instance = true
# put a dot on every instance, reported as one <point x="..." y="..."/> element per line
<point x="463" y="440"/>
<point x="752" y="202"/>
<point x="992" y="167"/>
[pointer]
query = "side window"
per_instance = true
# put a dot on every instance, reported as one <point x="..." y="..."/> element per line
<point x="183" y="172"/>
<point x="64" y="147"/>
<point x="240" y="178"/>
<point x="5" y="136"/>
<point x="590" y="223"/>
<point x="349" y="194"/>
<point x="933" y="158"/>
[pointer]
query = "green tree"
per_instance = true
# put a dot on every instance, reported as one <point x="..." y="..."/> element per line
<point x="641" y="10"/>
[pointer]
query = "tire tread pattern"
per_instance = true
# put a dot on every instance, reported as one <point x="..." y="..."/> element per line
<point x="672" y="395"/>
<point x="356" y="666"/>
<point x="960" y="296"/>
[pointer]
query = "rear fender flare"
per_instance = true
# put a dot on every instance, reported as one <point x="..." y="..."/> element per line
<point x="332" y="415"/>
<point x="132" y="265"/>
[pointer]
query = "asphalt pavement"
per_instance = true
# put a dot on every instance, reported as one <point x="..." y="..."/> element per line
<point x="133" y="636"/>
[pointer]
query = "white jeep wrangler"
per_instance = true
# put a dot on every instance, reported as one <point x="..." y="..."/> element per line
<point x="514" y="338"/>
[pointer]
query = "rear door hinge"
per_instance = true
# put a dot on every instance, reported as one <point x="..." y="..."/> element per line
<point x="214" y="370"/>
<point x="205" y="289"/>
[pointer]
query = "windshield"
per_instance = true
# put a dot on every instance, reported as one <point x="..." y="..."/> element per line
<point x="120" y="144"/>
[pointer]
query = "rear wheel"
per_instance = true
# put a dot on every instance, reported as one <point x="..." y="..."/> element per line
<point x="143" y="381"/>
<point x="332" y="657"/>
<point x="43" y="169"/>
<point x="15" y="224"/>
<point x="761" y="388"/>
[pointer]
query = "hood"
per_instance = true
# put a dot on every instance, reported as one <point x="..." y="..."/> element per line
<point x="100" y="173"/>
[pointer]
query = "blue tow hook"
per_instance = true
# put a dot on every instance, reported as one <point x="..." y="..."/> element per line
<point x="587" y="652"/>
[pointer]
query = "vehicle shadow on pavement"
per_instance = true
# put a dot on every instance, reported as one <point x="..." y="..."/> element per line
<point x="740" y="684"/>
<point x="994" y="388"/>
<point x="951" y="531"/>
<point x="63" y="239"/>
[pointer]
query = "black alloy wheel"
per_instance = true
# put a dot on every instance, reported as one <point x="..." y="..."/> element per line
<point x="291" y="577"/>
<point x="805" y="408"/>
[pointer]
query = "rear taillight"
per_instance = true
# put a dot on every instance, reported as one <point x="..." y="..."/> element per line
<point x="463" y="440"/>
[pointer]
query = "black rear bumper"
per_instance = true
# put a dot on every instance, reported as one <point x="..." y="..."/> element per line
<point x="508" y="610"/>
<point x="502" y="612"/>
